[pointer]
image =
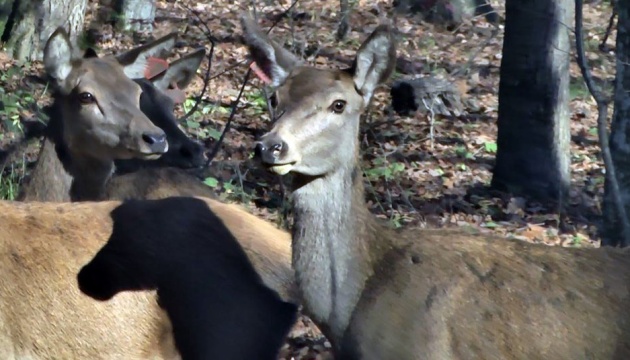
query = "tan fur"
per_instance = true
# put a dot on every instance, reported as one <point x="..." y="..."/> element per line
<point x="44" y="315"/>
<point x="421" y="294"/>
<point x="269" y="248"/>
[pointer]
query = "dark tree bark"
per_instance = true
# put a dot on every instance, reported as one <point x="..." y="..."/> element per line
<point x="344" y="21"/>
<point x="533" y="127"/>
<point x="620" y="131"/>
<point x="26" y="28"/>
<point x="136" y="15"/>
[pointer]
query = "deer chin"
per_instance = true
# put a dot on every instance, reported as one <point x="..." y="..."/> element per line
<point x="146" y="153"/>
<point x="153" y="156"/>
<point x="281" y="169"/>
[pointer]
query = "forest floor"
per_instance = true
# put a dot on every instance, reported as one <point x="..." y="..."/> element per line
<point x="411" y="178"/>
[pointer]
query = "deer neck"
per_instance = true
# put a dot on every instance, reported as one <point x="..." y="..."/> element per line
<point x="49" y="179"/>
<point x="90" y="176"/>
<point x="333" y="234"/>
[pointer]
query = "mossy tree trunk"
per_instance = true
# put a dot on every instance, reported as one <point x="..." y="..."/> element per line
<point x="29" y="23"/>
<point x="533" y="155"/>
<point x="620" y="131"/>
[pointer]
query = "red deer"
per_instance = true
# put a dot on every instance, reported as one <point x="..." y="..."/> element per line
<point x="92" y="136"/>
<point x="43" y="246"/>
<point x="217" y="303"/>
<point x="378" y="293"/>
<point x="85" y="136"/>
<point x="45" y="316"/>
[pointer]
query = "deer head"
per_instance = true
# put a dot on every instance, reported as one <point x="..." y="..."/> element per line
<point x="100" y="102"/>
<point x="318" y="109"/>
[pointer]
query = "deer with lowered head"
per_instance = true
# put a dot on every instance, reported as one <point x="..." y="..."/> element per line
<point x="98" y="123"/>
<point x="378" y="293"/>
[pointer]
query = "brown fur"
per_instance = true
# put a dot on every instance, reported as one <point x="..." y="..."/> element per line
<point x="50" y="181"/>
<point x="45" y="316"/>
<point x="420" y="294"/>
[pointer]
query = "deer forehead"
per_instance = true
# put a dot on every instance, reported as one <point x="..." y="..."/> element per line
<point x="105" y="76"/>
<point x="318" y="86"/>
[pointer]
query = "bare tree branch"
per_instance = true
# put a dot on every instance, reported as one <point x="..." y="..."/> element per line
<point x="344" y="15"/>
<point x="217" y="145"/>
<point x="206" y="79"/>
<point x="602" y="132"/>
<point x="611" y="22"/>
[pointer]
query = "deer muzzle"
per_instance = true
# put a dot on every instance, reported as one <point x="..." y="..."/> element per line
<point x="272" y="152"/>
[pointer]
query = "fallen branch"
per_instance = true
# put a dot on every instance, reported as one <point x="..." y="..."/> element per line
<point x="602" y="132"/>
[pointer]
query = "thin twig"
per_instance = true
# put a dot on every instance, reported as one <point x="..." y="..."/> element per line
<point x="229" y="68"/>
<point x="206" y="79"/>
<point x="431" y="121"/>
<point x="602" y="116"/>
<point x="472" y="57"/>
<point x="611" y="22"/>
<point x="229" y="120"/>
<point x="282" y="15"/>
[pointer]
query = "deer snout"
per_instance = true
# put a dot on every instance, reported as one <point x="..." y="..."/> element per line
<point x="156" y="142"/>
<point x="270" y="150"/>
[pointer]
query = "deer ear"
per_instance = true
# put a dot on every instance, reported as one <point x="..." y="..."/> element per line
<point x="375" y="61"/>
<point x="135" y="61"/>
<point x="272" y="63"/>
<point x="180" y="72"/>
<point x="58" y="56"/>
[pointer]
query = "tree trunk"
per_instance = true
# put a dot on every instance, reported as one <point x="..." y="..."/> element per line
<point x="620" y="130"/>
<point x="31" y="22"/>
<point x="136" y="15"/>
<point x="533" y="127"/>
<point x="344" y="21"/>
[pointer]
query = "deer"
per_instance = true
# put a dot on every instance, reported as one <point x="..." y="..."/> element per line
<point x="78" y="172"/>
<point x="44" y="314"/>
<point x="87" y="140"/>
<point x="216" y="301"/>
<point x="447" y="293"/>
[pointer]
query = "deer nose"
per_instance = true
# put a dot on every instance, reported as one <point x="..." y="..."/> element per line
<point x="157" y="142"/>
<point x="270" y="150"/>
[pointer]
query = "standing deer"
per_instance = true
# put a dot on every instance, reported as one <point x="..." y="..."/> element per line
<point x="94" y="134"/>
<point x="437" y="294"/>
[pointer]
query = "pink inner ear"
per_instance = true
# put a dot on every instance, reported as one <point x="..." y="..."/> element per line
<point x="261" y="75"/>
<point x="154" y="67"/>
<point x="175" y="93"/>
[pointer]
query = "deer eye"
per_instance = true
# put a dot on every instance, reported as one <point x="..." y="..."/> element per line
<point x="338" y="106"/>
<point x="86" y="98"/>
